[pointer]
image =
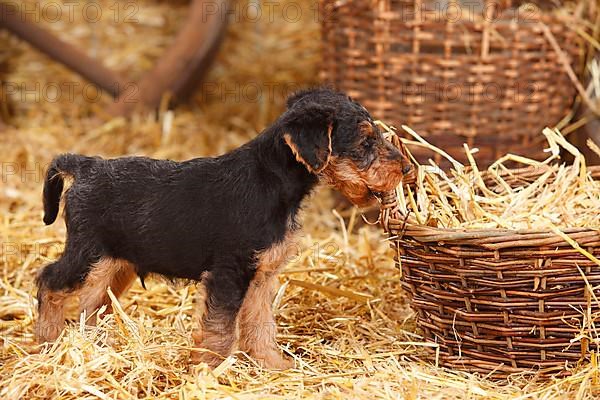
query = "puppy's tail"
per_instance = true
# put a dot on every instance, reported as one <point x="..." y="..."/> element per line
<point x="61" y="166"/>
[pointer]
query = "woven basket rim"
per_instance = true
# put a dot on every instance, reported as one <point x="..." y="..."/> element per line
<point x="491" y="238"/>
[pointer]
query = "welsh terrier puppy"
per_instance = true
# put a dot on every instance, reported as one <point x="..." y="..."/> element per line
<point x="226" y="221"/>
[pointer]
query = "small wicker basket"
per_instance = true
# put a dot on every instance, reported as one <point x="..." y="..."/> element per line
<point x="490" y="78"/>
<point x="500" y="301"/>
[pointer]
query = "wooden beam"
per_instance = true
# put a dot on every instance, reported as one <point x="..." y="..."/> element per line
<point x="93" y="70"/>
<point x="185" y="63"/>
<point x="177" y="73"/>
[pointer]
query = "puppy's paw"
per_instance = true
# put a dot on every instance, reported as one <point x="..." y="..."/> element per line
<point x="205" y="356"/>
<point x="274" y="361"/>
<point x="47" y="333"/>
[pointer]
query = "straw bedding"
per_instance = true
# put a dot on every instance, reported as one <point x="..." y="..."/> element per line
<point x="537" y="195"/>
<point x="340" y="309"/>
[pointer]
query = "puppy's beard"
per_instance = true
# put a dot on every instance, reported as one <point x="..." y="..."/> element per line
<point x="360" y="196"/>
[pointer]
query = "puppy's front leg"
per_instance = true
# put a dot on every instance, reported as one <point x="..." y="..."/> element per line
<point x="258" y="329"/>
<point x="257" y="326"/>
<point x="220" y="297"/>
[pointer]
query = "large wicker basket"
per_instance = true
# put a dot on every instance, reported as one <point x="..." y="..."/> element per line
<point x="492" y="82"/>
<point x="500" y="301"/>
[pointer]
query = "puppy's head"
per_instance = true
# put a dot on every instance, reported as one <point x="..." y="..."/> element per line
<point x="335" y="138"/>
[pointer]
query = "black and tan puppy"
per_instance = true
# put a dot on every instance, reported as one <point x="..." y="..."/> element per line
<point x="224" y="221"/>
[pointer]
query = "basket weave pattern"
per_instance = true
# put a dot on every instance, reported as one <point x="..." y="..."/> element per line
<point x="500" y="301"/>
<point x="493" y="83"/>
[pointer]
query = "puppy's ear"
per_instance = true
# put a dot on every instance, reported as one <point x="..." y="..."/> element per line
<point x="294" y="98"/>
<point x="307" y="131"/>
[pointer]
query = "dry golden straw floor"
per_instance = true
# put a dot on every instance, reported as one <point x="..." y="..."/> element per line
<point x="355" y="342"/>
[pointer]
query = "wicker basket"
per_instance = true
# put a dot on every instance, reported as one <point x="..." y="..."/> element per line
<point x="499" y="301"/>
<point x="493" y="83"/>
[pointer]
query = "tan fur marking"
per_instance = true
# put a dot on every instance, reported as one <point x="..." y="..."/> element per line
<point x="356" y="184"/>
<point x="108" y="272"/>
<point x="345" y="177"/>
<point x="366" y="128"/>
<point x="383" y="176"/>
<point x="198" y="317"/>
<point x="270" y="260"/>
<point x="117" y="274"/>
<point x="329" y="148"/>
<point x="51" y="319"/>
<point x="257" y="326"/>
<point x="288" y="140"/>
<point x="199" y="310"/>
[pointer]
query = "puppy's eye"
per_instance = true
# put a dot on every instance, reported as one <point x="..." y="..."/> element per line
<point x="367" y="144"/>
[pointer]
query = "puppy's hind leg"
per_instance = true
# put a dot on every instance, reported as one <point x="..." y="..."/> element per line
<point x="52" y="294"/>
<point x="108" y="272"/>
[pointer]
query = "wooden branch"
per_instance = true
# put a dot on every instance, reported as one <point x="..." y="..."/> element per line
<point x="184" y="64"/>
<point x="176" y="74"/>
<point x="89" y="68"/>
